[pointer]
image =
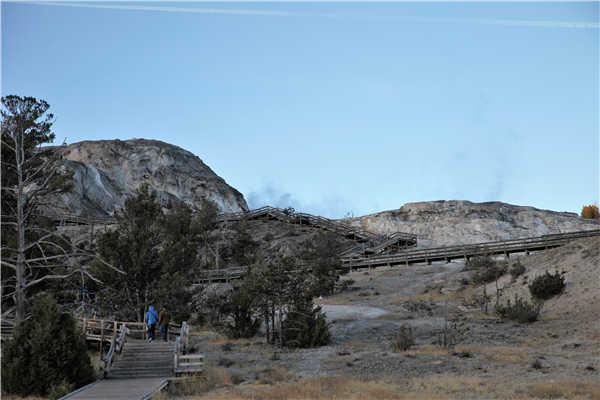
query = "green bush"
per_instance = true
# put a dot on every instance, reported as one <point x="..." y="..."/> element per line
<point x="521" y="310"/>
<point x="305" y="326"/>
<point x="478" y="262"/>
<point x="243" y="321"/>
<point x="60" y="390"/>
<point x="516" y="270"/>
<point x="486" y="269"/>
<point x="403" y="340"/>
<point x="545" y="286"/>
<point x="47" y="354"/>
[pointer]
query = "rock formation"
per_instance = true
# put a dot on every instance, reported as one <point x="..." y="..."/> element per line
<point x="106" y="172"/>
<point x="441" y="223"/>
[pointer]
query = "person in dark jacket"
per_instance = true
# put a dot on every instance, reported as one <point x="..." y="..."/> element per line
<point x="151" y="320"/>
<point x="163" y="322"/>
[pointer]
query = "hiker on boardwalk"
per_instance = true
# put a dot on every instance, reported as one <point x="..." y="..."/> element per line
<point x="151" y="320"/>
<point x="163" y="322"/>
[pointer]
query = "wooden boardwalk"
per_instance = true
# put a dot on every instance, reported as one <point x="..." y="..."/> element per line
<point x="141" y="370"/>
<point x="119" y="389"/>
<point x="449" y="253"/>
<point x="136" y="369"/>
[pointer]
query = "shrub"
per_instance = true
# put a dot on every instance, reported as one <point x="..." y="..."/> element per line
<point x="447" y="336"/>
<point x="486" y="269"/>
<point x="242" y="321"/>
<point x="517" y="269"/>
<point x="344" y="285"/>
<point x="478" y="262"/>
<point x="521" y="310"/>
<point x="403" y="340"/>
<point x="305" y="326"/>
<point x="47" y="355"/>
<point x="545" y="286"/>
<point x="60" y="390"/>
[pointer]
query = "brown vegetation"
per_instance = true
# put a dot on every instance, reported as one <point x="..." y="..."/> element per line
<point x="590" y="212"/>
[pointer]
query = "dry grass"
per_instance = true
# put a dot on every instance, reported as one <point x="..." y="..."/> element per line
<point x="273" y="375"/>
<point x="315" y="388"/>
<point x="439" y="387"/>
<point x="452" y="386"/>
<point x="464" y="295"/>
<point x="221" y="340"/>
<point x="211" y="378"/>
<point x="499" y="354"/>
<point x="428" y="350"/>
<point x="564" y="390"/>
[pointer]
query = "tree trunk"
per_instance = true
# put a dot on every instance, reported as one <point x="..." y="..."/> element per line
<point x="20" y="265"/>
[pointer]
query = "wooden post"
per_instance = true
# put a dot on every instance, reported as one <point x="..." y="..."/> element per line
<point x="101" y="338"/>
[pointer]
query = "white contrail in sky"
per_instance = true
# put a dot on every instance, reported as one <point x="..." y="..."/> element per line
<point x="275" y="13"/>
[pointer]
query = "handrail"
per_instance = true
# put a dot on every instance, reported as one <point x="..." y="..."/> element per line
<point x="182" y="362"/>
<point x="116" y="346"/>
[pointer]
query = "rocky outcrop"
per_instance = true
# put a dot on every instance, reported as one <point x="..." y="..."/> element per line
<point x="106" y="172"/>
<point x="440" y="223"/>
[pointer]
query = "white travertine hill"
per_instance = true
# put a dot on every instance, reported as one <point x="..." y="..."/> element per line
<point x="106" y="172"/>
<point x="441" y="223"/>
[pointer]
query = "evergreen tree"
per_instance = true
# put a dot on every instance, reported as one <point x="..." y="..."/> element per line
<point x="321" y="255"/>
<point x="135" y="247"/>
<point x="48" y="350"/>
<point x="305" y="325"/>
<point x="244" y="246"/>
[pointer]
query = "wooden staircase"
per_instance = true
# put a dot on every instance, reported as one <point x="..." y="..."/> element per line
<point x="143" y="359"/>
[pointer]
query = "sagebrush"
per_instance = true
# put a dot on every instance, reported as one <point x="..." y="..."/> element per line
<point x="519" y="310"/>
<point x="546" y="286"/>
<point x="403" y="340"/>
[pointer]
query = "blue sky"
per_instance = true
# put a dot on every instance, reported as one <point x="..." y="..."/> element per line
<point x="331" y="107"/>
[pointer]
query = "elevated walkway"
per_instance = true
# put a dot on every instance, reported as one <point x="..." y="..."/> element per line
<point x="449" y="253"/>
<point x="366" y="242"/>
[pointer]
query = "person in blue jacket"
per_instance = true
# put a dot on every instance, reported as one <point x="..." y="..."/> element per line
<point x="151" y="320"/>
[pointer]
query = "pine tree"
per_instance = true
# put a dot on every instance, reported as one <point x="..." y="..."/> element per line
<point x="47" y="350"/>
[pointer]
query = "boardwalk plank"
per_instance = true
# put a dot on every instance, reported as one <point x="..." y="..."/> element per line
<point x="117" y="389"/>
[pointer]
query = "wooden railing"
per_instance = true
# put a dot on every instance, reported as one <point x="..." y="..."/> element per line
<point x="116" y="346"/>
<point x="290" y="216"/>
<point x="183" y="362"/>
<point x="66" y="218"/>
<point x="96" y="329"/>
<point x="221" y="275"/>
<point x="7" y="327"/>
